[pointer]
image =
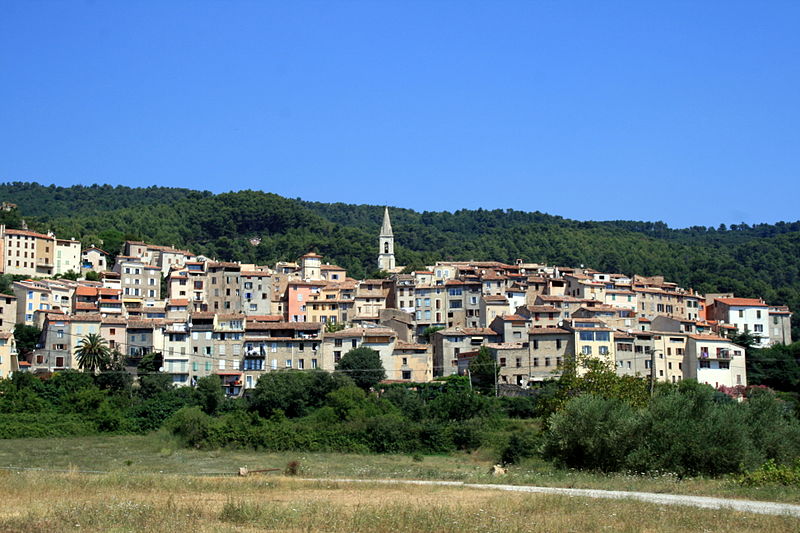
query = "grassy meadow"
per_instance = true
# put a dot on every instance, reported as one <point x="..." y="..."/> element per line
<point x="142" y="456"/>
<point x="39" y="501"/>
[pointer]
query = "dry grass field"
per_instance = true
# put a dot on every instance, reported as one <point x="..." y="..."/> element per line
<point x="39" y="502"/>
<point x="156" y="453"/>
<point x="152" y="484"/>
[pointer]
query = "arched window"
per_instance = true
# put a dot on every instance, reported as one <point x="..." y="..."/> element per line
<point x="386" y="247"/>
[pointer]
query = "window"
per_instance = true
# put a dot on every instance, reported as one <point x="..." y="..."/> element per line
<point x="354" y="343"/>
<point x="535" y="345"/>
<point x="337" y="355"/>
<point x="406" y="374"/>
<point x="586" y="350"/>
<point x="222" y="364"/>
<point x="558" y="344"/>
<point x="603" y="350"/>
<point x="313" y="363"/>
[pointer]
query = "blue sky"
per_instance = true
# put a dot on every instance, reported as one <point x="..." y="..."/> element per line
<point x="687" y="112"/>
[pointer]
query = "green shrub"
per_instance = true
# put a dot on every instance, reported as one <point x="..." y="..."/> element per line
<point x="686" y="432"/>
<point x="191" y="425"/>
<point x="407" y="401"/>
<point x="519" y="406"/>
<point x="108" y="418"/>
<point x="593" y="433"/>
<point x="466" y="435"/>
<point x="389" y="433"/>
<point x="44" y="425"/>
<point x="434" y="437"/>
<point x="772" y="474"/>
<point x="772" y="426"/>
<point x="521" y="445"/>
<point x="294" y="392"/>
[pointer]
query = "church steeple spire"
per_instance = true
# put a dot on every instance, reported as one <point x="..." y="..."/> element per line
<point x="386" y="244"/>
<point x="386" y="229"/>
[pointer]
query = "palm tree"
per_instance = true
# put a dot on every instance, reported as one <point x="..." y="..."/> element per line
<point x="92" y="353"/>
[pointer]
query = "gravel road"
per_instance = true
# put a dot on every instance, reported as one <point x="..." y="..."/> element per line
<point x="749" y="506"/>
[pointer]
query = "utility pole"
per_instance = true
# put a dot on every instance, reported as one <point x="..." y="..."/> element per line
<point x="652" y="372"/>
<point x="496" y="378"/>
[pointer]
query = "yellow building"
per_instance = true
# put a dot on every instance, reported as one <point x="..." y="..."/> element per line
<point x="8" y="355"/>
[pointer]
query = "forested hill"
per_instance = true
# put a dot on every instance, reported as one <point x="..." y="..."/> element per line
<point x="50" y="201"/>
<point x="762" y="260"/>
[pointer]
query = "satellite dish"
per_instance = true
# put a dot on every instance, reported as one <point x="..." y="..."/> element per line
<point x="161" y="369"/>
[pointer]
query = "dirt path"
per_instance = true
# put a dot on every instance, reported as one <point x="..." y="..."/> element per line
<point x="748" y="506"/>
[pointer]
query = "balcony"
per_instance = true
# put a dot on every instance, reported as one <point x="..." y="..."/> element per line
<point x="724" y="355"/>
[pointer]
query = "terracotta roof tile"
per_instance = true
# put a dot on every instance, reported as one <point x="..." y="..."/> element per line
<point x="742" y="302"/>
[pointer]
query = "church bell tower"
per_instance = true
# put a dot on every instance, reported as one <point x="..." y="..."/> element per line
<point x="386" y="244"/>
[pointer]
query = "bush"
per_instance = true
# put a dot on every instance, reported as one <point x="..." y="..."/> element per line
<point x="519" y="406"/>
<point x="772" y="474"/>
<point x="593" y="433"/>
<point x="466" y="435"/>
<point x="294" y="392"/>
<point x="191" y="425"/>
<point x="150" y="413"/>
<point x="44" y="425"/>
<point x="208" y="393"/>
<point x="687" y="432"/>
<point x="389" y="433"/>
<point x="521" y="445"/>
<point x="772" y="426"/>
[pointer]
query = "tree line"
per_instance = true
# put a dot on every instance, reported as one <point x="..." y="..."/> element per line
<point x="753" y="261"/>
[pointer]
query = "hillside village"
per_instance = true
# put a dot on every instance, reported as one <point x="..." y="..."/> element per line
<point x="239" y="321"/>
